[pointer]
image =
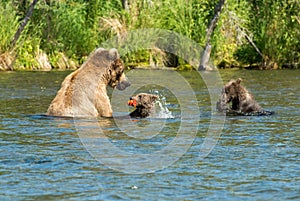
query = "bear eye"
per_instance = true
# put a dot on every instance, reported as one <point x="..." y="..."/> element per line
<point x="140" y="96"/>
<point x="118" y="76"/>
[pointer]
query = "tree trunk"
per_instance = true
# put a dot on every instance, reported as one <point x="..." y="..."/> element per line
<point x="24" y="23"/>
<point x="212" y="25"/>
<point x="205" y="57"/>
<point x="125" y="4"/>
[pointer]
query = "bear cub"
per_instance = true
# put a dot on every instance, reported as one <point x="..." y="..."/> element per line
<point x="241" y="100"/>
<point x="144" y="104"/>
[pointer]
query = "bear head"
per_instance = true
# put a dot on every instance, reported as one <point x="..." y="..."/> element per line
<point x="114" y="68"/>
<point x="230" y="93"/>
<point x="231" y="90"/>
<point x="144" y="104"/>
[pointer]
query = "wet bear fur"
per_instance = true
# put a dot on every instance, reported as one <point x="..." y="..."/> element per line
<point x="145" y="105"/>
<point x="237" y="100"/>
<point x="83" y="92"/>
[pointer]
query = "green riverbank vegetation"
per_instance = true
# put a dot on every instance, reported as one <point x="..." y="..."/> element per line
<point x="60" y="34"/>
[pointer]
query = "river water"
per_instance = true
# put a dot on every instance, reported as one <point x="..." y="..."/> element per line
<point x="159" y="158"/>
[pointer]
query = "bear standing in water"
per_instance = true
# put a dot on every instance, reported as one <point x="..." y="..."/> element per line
<point x="241" y="100"/>
<point x="83" y="92"/>
<point x="144" y="104"/>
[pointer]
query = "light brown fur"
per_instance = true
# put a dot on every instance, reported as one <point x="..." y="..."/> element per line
<point x="83" y="92"/>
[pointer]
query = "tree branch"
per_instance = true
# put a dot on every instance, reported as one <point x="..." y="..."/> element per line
<point x="23" y="24"/>
<point x="213" y="22"/>
<point x="212" y="25"/>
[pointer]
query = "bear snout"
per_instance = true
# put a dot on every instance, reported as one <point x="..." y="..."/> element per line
<point x="123" y="84"/>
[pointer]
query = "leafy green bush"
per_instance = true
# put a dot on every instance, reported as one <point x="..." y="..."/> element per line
<point x="67" y="31"/>
<point x="26" y="55"/>
<point x="276" y="27"/>
<point x="9" y="25"/>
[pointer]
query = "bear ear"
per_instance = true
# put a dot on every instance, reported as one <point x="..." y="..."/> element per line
<point x="113" y="54"/>
<point x="99" y="50"/>
<point x="239" y="80"/>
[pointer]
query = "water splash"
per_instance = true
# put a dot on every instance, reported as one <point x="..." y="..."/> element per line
<point x="161" y="109"/>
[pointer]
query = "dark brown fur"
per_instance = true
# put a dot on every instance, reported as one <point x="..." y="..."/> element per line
<point x="83" y="92"/>
<point x="242" y="101"/>
<point x="145" y="105"/>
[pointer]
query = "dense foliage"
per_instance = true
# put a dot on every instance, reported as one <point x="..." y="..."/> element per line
<point x="61" y="33"/>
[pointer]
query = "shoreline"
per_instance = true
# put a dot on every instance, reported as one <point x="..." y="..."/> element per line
<point x="179" y="68"/>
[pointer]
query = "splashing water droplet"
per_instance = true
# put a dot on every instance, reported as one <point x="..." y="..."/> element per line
<point x="164" y="112"/>
<point x="161" y="109"/>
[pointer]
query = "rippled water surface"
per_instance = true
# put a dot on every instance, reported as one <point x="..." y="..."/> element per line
<point x="46" y="158"/>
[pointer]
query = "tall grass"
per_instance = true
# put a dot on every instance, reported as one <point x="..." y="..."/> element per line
<point x="62" y="33"/>
<point x="278" y="31"/>
<point x="9" y="25"/>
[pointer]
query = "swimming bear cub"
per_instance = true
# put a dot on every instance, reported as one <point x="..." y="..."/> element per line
<point x="144" y="104"/>
<point x="237" y="100"/>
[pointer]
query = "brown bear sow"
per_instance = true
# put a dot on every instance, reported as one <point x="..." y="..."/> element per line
<point x="242" y="101"/>
<point x="83" y="92"/>
<point x="144" y="104"/>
